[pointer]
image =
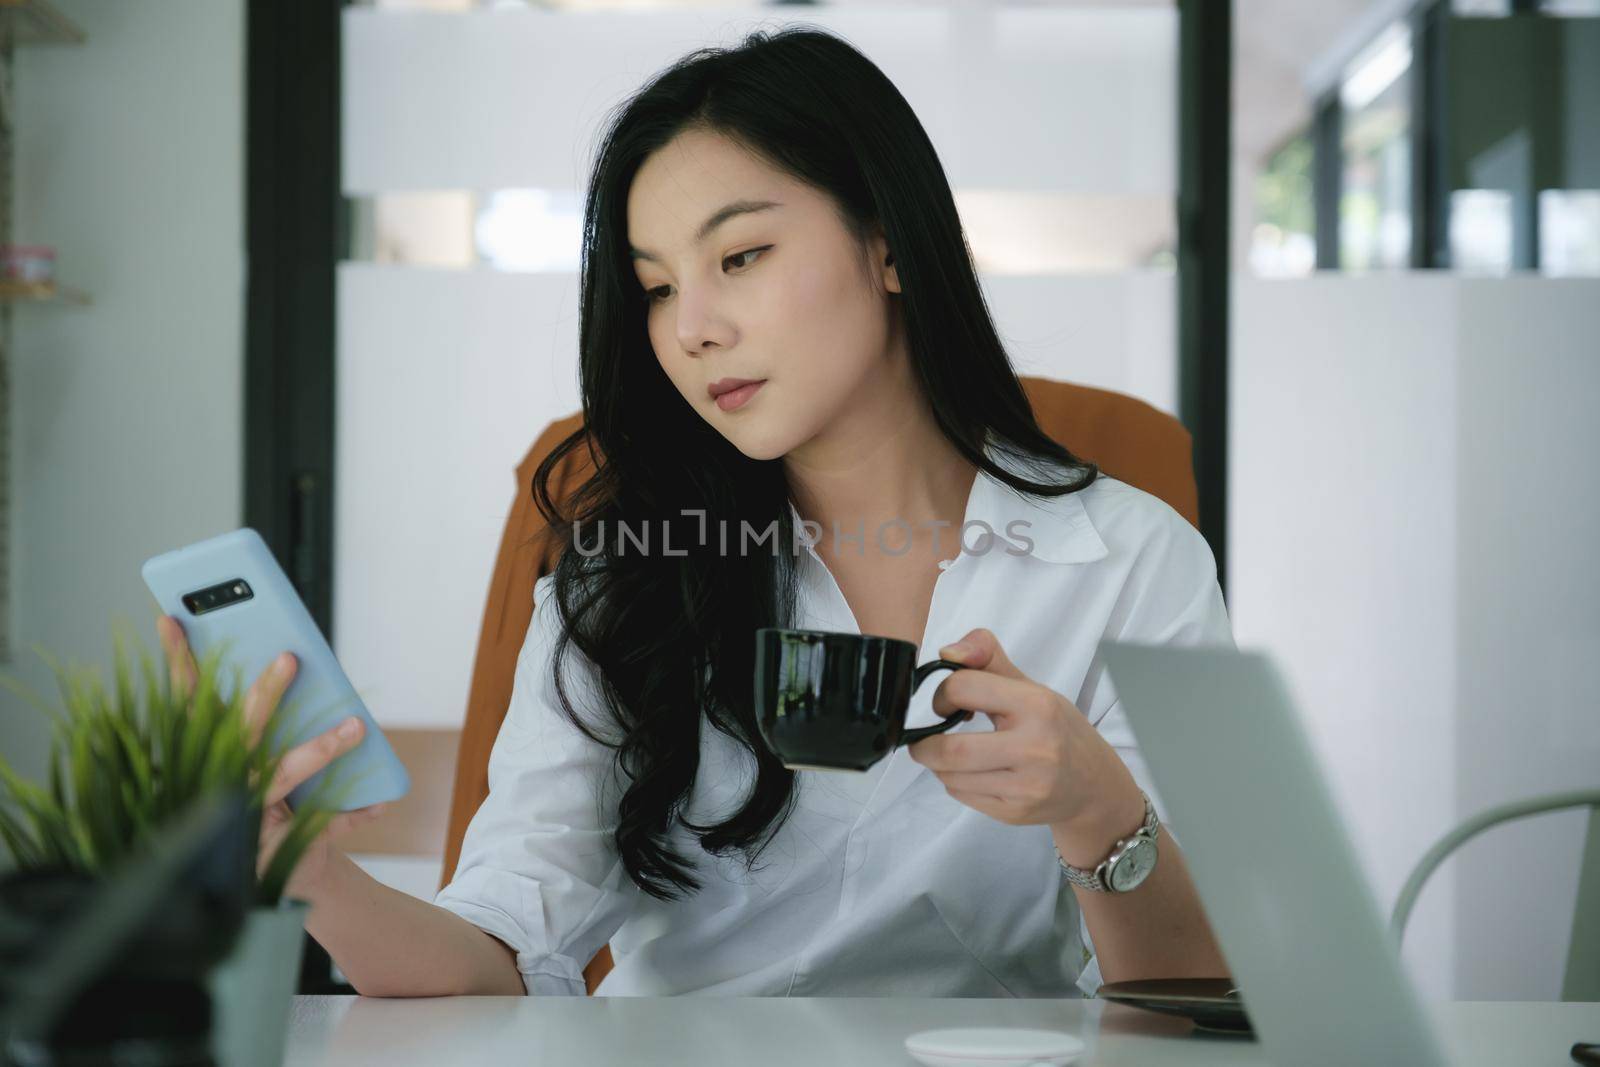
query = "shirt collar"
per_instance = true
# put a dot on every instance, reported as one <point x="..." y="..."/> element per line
<point x="1058" y="527"/>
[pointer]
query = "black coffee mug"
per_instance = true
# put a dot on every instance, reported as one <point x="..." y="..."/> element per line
<point x="837" y="701"/>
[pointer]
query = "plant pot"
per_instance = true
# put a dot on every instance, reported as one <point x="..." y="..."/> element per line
<point x="147" y="1002"/>
<point x="252" y="990"/>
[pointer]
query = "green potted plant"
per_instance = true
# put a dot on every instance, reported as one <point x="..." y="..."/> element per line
<point x="123" y="762"/>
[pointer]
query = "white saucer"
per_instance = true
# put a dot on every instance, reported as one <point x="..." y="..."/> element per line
<point x="993" y="1046"/>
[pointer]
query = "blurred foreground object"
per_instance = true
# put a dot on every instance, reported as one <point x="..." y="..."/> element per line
<point x="112" y="970"/>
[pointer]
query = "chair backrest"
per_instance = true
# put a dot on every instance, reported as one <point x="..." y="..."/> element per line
<point x="1581" y="981"/>
<point x="1127" y="438"/>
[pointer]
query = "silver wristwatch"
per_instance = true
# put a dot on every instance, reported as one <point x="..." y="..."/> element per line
<point x="1130" y="863"/>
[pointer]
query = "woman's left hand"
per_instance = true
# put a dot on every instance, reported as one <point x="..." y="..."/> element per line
<point x="1044" y="762"/>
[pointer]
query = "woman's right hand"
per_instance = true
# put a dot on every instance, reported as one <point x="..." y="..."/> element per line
<point x="297" y="765"/>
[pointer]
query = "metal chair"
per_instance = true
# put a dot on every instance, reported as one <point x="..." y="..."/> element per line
<point x="1582" y="978"/>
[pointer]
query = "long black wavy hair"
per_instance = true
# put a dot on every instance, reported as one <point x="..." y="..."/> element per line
<point x="671" y="637"/>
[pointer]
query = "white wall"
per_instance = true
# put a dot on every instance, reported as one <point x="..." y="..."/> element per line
<point x="127" y="414"/>
<point x="1413" y="516"/>
<point x="1528" y="623"/>
<point x="1342" y="551"/>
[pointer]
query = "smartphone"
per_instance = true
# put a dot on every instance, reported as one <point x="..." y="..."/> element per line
<point x="230" y="593"/>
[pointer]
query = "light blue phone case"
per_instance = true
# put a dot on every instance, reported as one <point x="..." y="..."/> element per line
<point x="255" y="629"/>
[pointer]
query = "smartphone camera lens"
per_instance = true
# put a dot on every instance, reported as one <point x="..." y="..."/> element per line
<point x="218" y="596"/>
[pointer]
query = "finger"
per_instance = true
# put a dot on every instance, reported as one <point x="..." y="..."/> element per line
<point x="980" y="650"/>
<point x="265" y="693"/>
<point x="1002" y="699"/>
<point x="304" y="760"/>
<point x="993" y="751"/>
<point x="180" y="660"/>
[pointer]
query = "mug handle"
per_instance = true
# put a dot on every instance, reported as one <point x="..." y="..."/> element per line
<point x="911" y="737"/>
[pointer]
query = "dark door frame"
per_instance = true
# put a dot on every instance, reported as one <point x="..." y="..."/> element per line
<point x="295" y="231"/>
<point x="295" y="223"/>
<point x="1205" y="176"/>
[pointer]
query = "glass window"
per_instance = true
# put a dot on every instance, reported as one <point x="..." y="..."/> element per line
<point x="422" y="229"/>
<point x="1481" y="231"/>
<point x="1570" y="8"/>
<point x="531" y="229"/>
<point x="1010" y="231"/>
<point x="1283" y="242"/>
<point x="1569" y="232"/>
<point x="1375" y="205"/>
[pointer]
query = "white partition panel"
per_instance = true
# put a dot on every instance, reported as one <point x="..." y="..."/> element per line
<point x="1079" y="98"/>
<point x="445" y="379"/>
<point x="1342" y="466"/>
<point x="1113" y="331"/>
<point x="1528" y="522"/>
<point x="1412" y="524"/>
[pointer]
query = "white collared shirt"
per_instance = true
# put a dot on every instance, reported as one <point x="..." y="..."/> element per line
<point x="879" y="883"/>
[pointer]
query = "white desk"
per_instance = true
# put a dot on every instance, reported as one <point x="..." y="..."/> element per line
<point x="778" y="1032"/>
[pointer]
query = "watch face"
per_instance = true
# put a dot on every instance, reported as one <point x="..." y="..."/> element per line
<point x="1133" y="867"/>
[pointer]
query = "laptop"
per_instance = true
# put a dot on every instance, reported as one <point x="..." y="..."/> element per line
<point x="1313" y="960"/>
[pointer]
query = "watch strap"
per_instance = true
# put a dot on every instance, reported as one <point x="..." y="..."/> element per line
<point x="1095" y="879"/>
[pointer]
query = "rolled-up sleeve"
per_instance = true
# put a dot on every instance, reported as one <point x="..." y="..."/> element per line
<point x="1171" y="598"/>
<point x="538" y="867"/>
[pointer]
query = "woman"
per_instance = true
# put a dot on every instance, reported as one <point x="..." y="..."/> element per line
<point x="782" y="331"/>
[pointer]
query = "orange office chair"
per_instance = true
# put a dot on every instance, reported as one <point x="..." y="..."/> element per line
<point x="1127" y="438"/>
